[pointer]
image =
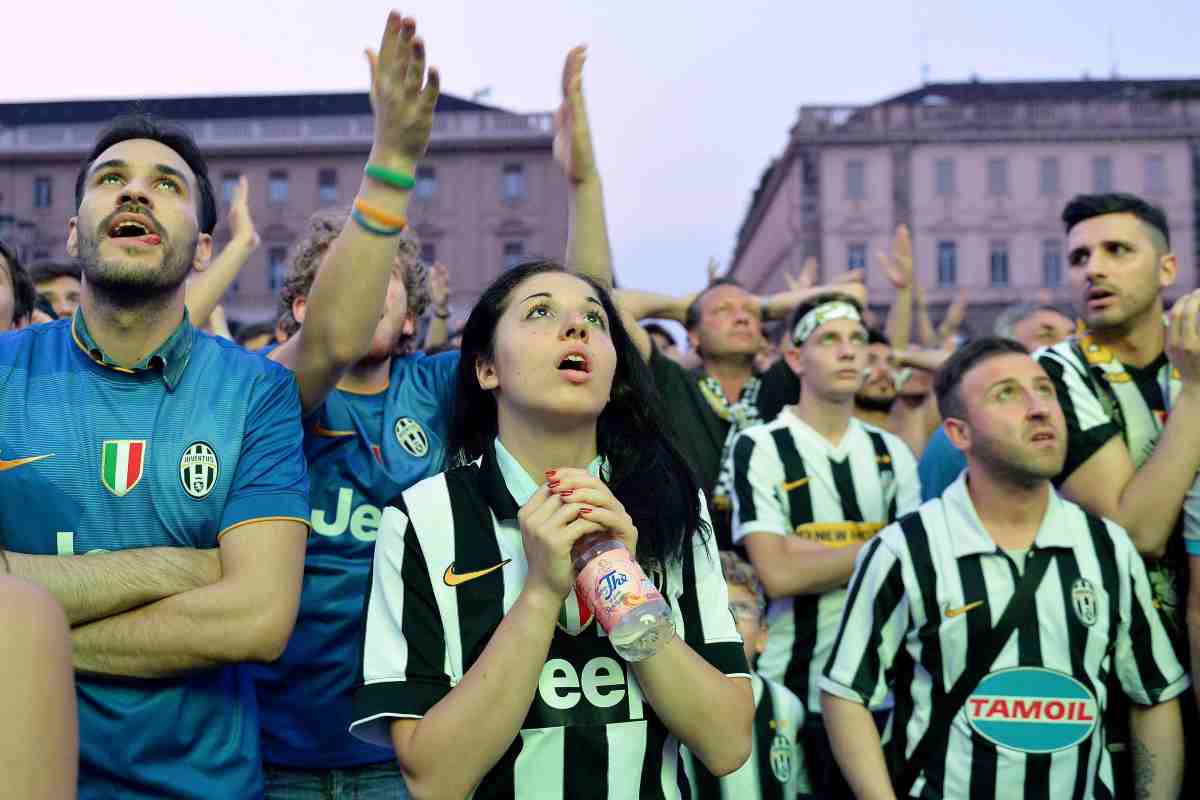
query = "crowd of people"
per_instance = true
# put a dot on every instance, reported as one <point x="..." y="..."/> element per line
<point x="336" y="555"/>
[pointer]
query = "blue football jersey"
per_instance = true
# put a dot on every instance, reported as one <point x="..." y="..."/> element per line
<point x="363" y="451"/>
<point x="199" y="438"/>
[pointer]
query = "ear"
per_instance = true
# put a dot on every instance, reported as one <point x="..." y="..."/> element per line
<point x="791" y="354"/>
<point x="299" y="308"/>
<point x="485" y="373"/>
<point x="203" y="252"/>
<point x="958" y="432"/>
<point x="760" y="646"/>
<point x="1168" y="270"/>
<point x="73" y="237"/>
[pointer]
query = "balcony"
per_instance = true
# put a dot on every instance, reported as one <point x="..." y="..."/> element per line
<point x="448" y="128"/>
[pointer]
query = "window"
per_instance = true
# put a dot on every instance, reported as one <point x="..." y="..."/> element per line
<point x="1102" y="174"/>
<point x="997" y="176"/>
<point x="998" y="264"/>
<point x="42" y="196"/>
<point x="513" y="188"/>
<point x="856" y="255"/>
<point x="1156" y="175"/>
<point x="276" y="267"/>
<point x="327" y="193"/>
<point x="856" y="180"/>
<point x="944" y="176"/>
<point x="1048" y="176"/>
<point x="277" y="188"/>
<point x="1052" y="262"/>
<point x="229" y="182"/>
<point x="428" y="252"/>
<point x="426" y="183"/>
<point x="514" y="253"/>
<point x="947" y="263"/>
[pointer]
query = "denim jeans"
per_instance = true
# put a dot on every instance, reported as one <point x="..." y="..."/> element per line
<point x="372" y="782"/>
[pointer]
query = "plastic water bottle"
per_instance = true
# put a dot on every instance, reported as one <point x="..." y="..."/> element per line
<point x="626" y="603"/>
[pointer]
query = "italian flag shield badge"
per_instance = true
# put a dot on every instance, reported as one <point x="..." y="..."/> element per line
<point x="575" y="614"/>
<point x="121" y="463"/>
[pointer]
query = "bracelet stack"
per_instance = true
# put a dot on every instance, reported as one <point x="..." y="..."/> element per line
<point x="375" y="220"/>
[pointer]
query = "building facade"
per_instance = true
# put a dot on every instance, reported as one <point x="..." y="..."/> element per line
<point x="488" y="193"/>
<point x="980" y="173"/>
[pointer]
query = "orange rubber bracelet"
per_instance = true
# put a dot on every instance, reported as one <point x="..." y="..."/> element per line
<point x="397" y="221"/>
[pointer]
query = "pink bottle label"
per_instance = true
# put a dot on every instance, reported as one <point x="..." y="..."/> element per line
<point x="613" y="584"/>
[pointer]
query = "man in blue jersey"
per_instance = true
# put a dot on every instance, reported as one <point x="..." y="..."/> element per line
<point x="375" y="424"/>
<point x="152" y="479"/>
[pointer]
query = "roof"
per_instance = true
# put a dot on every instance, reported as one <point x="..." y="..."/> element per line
<point x="224" y="107"/>
<point x="979" y="91"/>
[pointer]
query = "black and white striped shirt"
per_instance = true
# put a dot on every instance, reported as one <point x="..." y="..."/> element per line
<point x="590" y="732"/>
<point x="925" y="595"/>
<point x="776" y="769"/>
<point x="789" y="480"/>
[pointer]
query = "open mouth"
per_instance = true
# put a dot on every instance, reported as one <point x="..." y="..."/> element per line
<point x="1043" y="436"/>
<point x="576" y="362"/>
<point x="1099" y="296"/>
<point x="133" y="227"/>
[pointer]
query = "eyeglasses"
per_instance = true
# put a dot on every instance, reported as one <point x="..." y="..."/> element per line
<point x="746" y="612"/>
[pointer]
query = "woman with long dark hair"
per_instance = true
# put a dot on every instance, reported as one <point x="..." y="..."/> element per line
<point x="481" y="666"/>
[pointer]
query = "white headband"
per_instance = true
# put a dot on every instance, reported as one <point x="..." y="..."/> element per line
<point x="834" y="309"/>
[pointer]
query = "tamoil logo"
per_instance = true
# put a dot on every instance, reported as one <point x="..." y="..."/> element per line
<point x="1032" y="710"/>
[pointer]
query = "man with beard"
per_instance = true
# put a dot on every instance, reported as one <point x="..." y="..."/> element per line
<point x="375" y="424"/>
<point x="1020" y="711"/>
<point x="1129" y="385"/>
<point x="152" y="481"/>
<point x="811" y="488"/>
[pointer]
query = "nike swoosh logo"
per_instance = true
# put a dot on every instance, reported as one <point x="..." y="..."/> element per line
<point x="328" y="434"/>
<point x="453" y="578"/>
<point x="787" y="487"/>
<point x="951" y="613"/>
<point x="20" y="462"/>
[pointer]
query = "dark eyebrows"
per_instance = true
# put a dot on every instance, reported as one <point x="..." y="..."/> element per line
<point x="119" y="163"/>
<point x="590" y="299"/>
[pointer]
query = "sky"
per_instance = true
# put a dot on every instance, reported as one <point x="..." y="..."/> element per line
<point x="689" y="101"/>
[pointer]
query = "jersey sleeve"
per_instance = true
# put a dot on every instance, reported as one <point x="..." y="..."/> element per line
<point x="757" y="473"/>
<point x="873" y="627"/>
<point x="271" y="476"/>
<point x="403" y="651"/>
<point x="701" y="609"/>
<point x="1191" y="519"/>
<point x="446" y="377"/>
<point x="1143" y="658"/>
<point x="1089" y="426"/>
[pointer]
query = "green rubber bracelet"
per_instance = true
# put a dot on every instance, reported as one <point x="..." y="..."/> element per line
<point x="392" y="177"/>
<point x="370" y="227"/>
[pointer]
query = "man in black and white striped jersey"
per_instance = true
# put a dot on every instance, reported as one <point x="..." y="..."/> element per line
<point x="810" y="488"/>
<point x="929" y="592"/>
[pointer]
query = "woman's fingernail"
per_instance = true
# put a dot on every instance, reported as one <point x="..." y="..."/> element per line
<point x="567" y="493"/>
<point x="550" y="473"/>
<point x="585" y="511"/>
<point x="552" y="484"/>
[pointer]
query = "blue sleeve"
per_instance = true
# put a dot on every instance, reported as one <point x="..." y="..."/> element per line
<point x="940" y="466"/>
<point x="271" y="478"/>
<point x="446" y="370"/>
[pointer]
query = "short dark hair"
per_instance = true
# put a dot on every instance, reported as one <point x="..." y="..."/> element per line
<point x="48" y="270"/>
<point x="1085" y="206"/>
<point x="948" y="380"/>
<point x="249" y="331"/>
<point x="24" y="293"/>
<point x="692" y="317"/>
<point x="876" y="336"/>
<point x="654" y="327"/>
<point x="140" y="125"/>
<point x="808" y="305"/>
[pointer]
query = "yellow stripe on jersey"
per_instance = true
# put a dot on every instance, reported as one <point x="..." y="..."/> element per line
<point x="837" y="534"/>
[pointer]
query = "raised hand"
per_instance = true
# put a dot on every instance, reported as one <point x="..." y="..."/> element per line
<point x="439" y="285"/>
<point x="402" y="97"/>
<point x="572" y="133"/>
<point x="713" y="268"/>
<point x="898" y="265"/>
<point x="241" y="224"/>
<point x="1183" y="339"/>
<point x="954" y="317"/>
<point x="601" y="506"/>
<point x="805" y="279"/>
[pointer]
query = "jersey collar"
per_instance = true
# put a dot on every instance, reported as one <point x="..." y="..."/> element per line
<point x="508" y="486"/>
<point x="968" y="536"/>
<point x="170" y="359"/>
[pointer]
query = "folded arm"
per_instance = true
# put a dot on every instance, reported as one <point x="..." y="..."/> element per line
<point x="247" y="615"/>
<point x="789" y="566"/>
<point x="98" y="585"/>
